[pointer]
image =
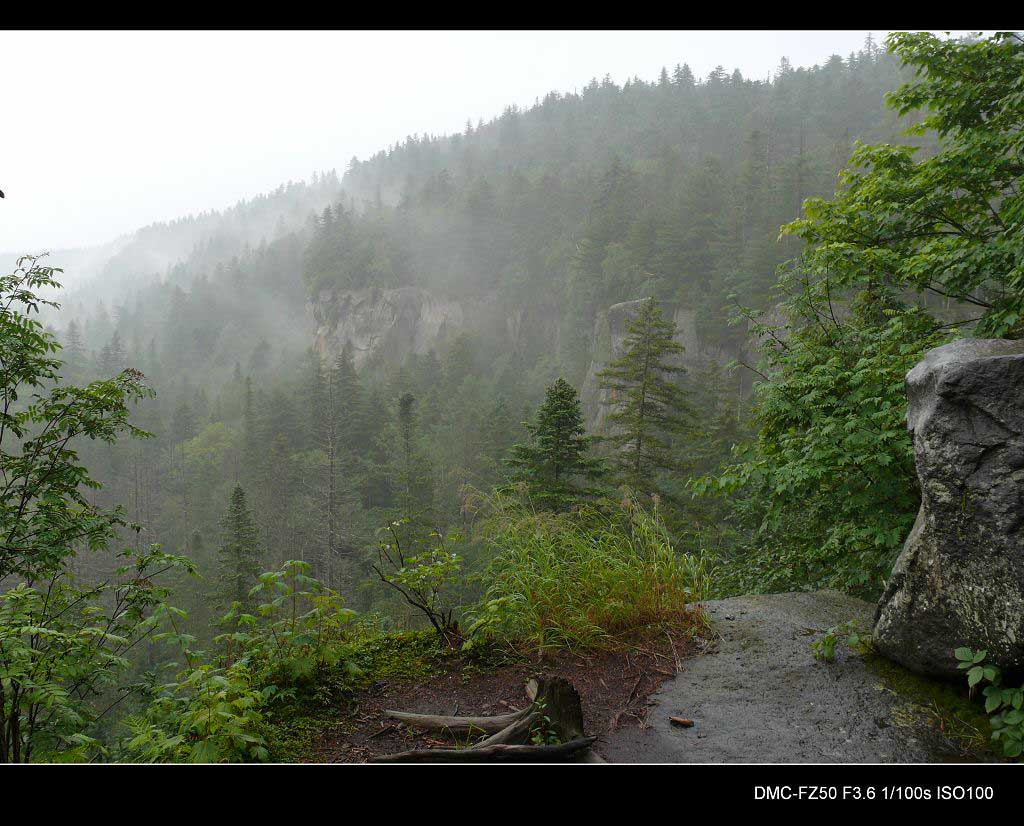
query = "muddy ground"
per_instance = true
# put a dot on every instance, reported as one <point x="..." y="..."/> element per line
<point x="614" y="687"/>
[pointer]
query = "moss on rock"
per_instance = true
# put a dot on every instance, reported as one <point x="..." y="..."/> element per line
<point x="941" y="713"/>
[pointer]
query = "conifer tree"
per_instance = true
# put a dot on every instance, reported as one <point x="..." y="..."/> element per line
<point x="74" y="349"/>
<point x="326" y="423"/>
<point x="240" y="554"/>
<point x="554" y="464"/>
<point x="650" y="407"/>
<point x="250" y="442"/>
<point x="411" y="468"/>
<point x="351" y="404"/>
<point x="498" y="437"/>
<point x="406" y="427"/>
<point x="312" y="407"/>
<point x="183" y="425"/>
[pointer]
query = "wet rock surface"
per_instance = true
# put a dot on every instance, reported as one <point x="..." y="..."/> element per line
<point x="387" y="324"/>
<point x="959" y="580"/>
<point x="759" y="696"/>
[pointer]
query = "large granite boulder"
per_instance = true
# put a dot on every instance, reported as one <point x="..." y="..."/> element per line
<point x="959" y="580"/>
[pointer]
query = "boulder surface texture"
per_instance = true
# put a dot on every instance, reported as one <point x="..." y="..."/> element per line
<point x="959" y="580"/>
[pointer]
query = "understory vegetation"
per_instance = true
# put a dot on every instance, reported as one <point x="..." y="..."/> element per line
<point x="574" y="579"/>
<point x="210" y="532"/>
<point x="1003" y="703"/>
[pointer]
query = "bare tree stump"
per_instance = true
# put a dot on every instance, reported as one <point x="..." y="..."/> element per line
<point x="560" y="702"/>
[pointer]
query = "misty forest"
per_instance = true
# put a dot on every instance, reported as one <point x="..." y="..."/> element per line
<point x="293" y="480"/>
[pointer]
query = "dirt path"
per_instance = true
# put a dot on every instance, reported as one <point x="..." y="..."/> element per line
<point x="760" y="696"/>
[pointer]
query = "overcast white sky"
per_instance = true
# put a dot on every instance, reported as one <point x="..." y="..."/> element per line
<point x="104" y="132"/>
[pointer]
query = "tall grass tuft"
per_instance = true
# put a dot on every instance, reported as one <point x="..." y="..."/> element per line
<point x="578" y="579"/>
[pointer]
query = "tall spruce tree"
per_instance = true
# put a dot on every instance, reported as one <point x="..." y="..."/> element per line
<point x="649" y="408"/>
<point x="554" y="464"/>
<point x="407" y="428"/>
<point x="240" y="555"/>
<point x="329" y="424"/>
<point x="351" y="403"/>
<point x="250" y="437"/>
<point x="74" y="350"/>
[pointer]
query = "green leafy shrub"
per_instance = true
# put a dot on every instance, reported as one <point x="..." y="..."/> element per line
<point x="569" y="580"/>
<point x="828" y="488"/>
<point x="217" y="712"/>
<point x="211" y="715"/>
<point x="63" y="645"/>
<point x="848" y="633"/>
<point x="421" y="578"/>
<point x="1004" y="705"/>
<point x="297" y="633"/>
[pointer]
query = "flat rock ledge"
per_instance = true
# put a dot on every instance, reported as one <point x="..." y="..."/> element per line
<point x="759" y="696"/>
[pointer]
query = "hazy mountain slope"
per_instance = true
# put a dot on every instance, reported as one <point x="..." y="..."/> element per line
<point x="469" y="272"/>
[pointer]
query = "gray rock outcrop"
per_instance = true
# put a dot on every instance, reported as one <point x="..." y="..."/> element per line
<point x="757" y="695"/>
<point x="959" y="580"/>
<point x="385" y="323"/>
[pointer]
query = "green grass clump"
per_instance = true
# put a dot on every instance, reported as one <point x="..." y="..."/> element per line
<point x="578" y="579"/>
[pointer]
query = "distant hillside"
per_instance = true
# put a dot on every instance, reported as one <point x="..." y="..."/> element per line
<point x="467" y="271"/>
<point x="674" y="188"/>
<point x="178" y="249"/>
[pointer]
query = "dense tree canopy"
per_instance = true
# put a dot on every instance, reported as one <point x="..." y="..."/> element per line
<point x="296" y="470"/>
<point x="829" y="482"/>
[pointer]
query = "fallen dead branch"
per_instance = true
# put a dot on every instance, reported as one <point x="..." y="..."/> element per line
<point x="555" y="705"/>
<point x="501" y="753"/>
<point x="457" y="726"/>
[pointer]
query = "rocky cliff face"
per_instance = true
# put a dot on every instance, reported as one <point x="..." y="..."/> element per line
<point x="383" y="324"/>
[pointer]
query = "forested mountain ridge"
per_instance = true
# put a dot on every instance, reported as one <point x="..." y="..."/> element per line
<point x="674" y="188"/>
<point x="511" y="239"/>
<point x="355" y="452"/>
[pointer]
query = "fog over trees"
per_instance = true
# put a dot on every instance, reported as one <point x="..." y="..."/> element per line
<point x="468" y="362"/>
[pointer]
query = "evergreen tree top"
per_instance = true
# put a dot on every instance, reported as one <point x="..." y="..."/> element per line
<point x="555" y="460"/>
